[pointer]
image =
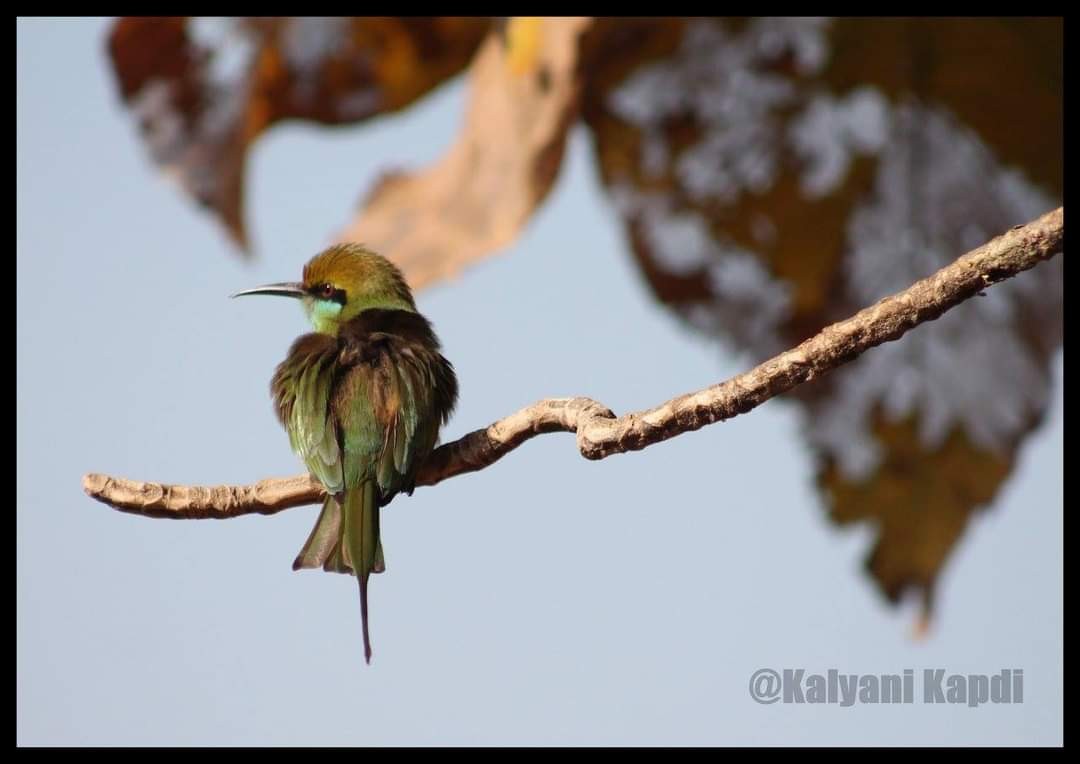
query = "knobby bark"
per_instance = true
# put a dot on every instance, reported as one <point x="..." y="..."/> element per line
<point x="599" y="432"/>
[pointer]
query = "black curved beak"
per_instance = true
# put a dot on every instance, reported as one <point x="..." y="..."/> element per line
<point x="285" y="289"/>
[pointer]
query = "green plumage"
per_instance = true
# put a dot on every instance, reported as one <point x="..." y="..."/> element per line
<point x="362" y="400"/>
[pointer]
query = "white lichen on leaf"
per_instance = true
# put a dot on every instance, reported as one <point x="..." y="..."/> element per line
<point x="193" y="138"/>
<point x="718" y="77"/>
<point x="939" y="191"/>
<point x="830" y="132"/>
<point x="747" y="305"/>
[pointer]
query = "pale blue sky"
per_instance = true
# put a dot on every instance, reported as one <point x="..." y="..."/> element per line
<point x="516" y="608"/>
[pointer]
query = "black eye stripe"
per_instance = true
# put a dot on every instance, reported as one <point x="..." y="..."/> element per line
<point x="326" y="291"/>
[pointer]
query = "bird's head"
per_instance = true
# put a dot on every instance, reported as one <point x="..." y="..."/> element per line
<point x="342" y="281"/>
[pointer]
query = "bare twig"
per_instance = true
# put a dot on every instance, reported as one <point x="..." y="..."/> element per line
<point x="599" y="432"/>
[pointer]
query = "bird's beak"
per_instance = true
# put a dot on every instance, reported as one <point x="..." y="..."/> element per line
<point x="285" y="289"/>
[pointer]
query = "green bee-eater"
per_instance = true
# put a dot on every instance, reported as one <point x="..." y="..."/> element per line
<point x="362" y="399"/>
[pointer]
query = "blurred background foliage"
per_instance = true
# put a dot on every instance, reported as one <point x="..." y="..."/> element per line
<point x="773" y="175"/>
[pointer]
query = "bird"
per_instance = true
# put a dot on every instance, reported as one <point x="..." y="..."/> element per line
<point x="362" y="398"/>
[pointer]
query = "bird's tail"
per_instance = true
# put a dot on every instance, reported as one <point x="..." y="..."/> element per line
<point x="347" y="530"/>
<point x="361" y="542"/>
<point x="323" y="548"/>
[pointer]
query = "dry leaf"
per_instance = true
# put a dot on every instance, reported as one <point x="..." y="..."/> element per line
<point x="205" y="89"/>
<point x="778" y="174"/>
<point x="476" y="198"/>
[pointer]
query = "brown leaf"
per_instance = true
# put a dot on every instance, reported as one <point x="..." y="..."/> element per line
<point x="919" y="500"/>
<point x="524" y="87"/>
<point x="1001" y="76"/>
<point x="205" y="89"/>
<point x="777" y="174"/>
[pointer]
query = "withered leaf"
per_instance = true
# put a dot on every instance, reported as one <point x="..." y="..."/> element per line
<point x="524" y="89"/>
<point x="776" y="175"/>
<point x="920" y="501"/>
<point x="205" y="89"/>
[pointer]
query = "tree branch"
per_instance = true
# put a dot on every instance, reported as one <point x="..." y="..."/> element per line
<point x="599" y="432"/>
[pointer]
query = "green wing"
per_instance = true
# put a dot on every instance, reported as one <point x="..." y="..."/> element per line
<point x="312" y="432"/>
<point x="302" y="388"/>
<point x="388" y="425"/>
<point x="363" y="411"/>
